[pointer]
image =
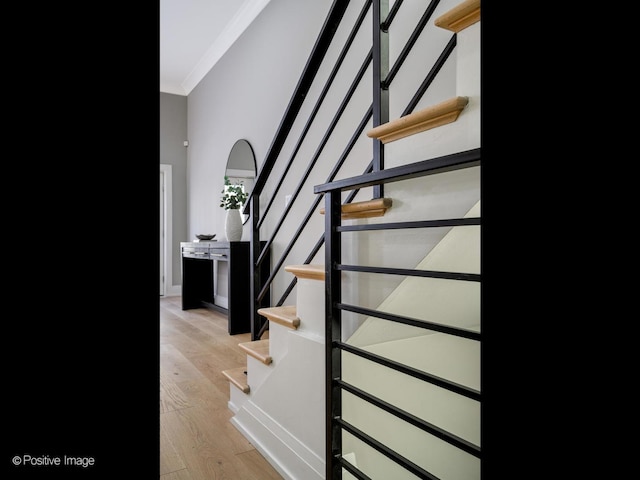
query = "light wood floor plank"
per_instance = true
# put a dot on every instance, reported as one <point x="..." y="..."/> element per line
<point x="171" y="334"/>
<point x="214" y="326"/>
<point x="170" y="461"/>
<point x="194" y="333"/>
<point x="178" y="367"/>
<point x="202" y="393"/>
<point x="212" y="365"/>
<point x="217" y="322"/>
<point x="171" y="396"/>
<point x="195" y="419"/>
<point x="179" y="475"/>
<point x="203" y="444"/>
<point x="256" y="461"/>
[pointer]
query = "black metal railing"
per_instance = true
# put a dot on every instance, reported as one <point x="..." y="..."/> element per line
<point x="305" y="82"/>
<point x="375" y="176"/>
<point x="318" y="104"/>
<point x="334" y="307"/>
<point x="379" y="111"/>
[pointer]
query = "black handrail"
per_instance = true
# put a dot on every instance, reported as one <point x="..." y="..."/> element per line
<point x="380" y="447"/>
<point x="392" y="13"/>
<point x="259" y="254"/>
<point x="413" y="372"/>
<point x="375" y="176"/>
<point x="316" y="248"/>
<point x="334" y="307"/>
<point x="381" y="104"/>
<point x="333" y="322"/>
<point x="352" y="470"/>
<point x="437" y="66"/>
<point x="317" y="105"/>
<point x="447" y="222"/>
<point x="414" y="322"/>
<point x="446" y="163"/>
<point x="380" y="93"/>
<point x="422" y="23"/>
<point x="320" y="48"/>
<point x="318" y="53"/>
<point x="316" y="202"/>
<point x="428" y="427"/>
<point x="470" y="277"/>
<point x="343" y="105"/>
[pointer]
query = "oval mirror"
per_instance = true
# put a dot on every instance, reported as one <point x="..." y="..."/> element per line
<point x="241" y="168"/>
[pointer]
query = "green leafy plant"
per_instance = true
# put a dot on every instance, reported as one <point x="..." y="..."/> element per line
<point x="233" y="195"/>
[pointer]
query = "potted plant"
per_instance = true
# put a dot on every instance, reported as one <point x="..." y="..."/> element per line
<point x="233" y="198"/>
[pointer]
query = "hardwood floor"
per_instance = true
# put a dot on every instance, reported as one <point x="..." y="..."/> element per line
<point x="197" y="440"/>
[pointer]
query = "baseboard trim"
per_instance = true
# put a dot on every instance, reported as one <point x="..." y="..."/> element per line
<point x="173" y="291"/>
<point x="291" y="458"/>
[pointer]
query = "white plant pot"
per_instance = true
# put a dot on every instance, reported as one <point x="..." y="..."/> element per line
<point x="233" y="225"/>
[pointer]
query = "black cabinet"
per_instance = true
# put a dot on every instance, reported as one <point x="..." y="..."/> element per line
<point x="199" y="282"/>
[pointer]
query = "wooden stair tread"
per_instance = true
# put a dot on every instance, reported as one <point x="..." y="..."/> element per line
<point x="238" y="377"/>
<point x="314" y="272"/>
<point x="369" y="208"/>
<point x="285" y="315"/>
<point x="420" y="121"/>
<point x="460" y="17"/>
<point x="258" y="349"/>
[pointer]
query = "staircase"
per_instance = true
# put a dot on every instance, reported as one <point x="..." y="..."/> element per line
<point x="280" y="405"/>
<point x="288" y="428"/>
<point x="390" y="390"/>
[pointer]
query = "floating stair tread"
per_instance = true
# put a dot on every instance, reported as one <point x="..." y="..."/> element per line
<point x="460" y="17"/>
<point x="258" y="349"/>
<point x="420" y="121"/>
<point x="238" y="377"/>
<point x="369" y="208"/>
<point x="285" y="315"/>
<point x="314" y="272"/>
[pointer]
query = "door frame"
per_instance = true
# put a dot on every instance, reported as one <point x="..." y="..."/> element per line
<point x="167" y="253"/>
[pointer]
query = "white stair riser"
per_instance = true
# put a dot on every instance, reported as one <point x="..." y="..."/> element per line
<point x="284" y="416"/>
<point x="237" y="398"/>
<point x="310" y="306"/>
<point x="468" y="81"/>
<point x="257" y="373"/>
<point x="301" y="375"/>
<point x="278" y="344"/>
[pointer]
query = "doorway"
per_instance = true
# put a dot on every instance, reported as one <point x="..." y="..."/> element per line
<point x="161" y="233"/>
<point x="165" y="234"/>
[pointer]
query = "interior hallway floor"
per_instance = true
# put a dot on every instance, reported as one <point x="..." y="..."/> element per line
<point x="197" y="440"/>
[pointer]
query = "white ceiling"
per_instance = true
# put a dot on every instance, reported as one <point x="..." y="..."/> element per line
<point x="194" y="34"/>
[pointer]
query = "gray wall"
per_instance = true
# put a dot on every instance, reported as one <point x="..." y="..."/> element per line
<point x="245" y="96"/>
<point x="173" y="133"/>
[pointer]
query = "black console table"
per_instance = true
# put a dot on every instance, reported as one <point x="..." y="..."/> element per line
<point x="198" y="280"/>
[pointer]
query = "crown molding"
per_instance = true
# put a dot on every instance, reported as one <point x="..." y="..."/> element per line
<point x="238" y="24"/>
<point x="171" y="88"/>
